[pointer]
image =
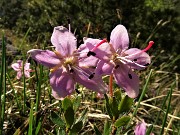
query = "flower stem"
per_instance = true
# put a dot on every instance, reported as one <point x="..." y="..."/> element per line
<point x="110" y="85"/>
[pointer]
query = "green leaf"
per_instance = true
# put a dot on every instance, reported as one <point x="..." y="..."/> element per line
<point x="125" y="104"/>
<point x="66" y="103"/>
<point x="77" y="127"/>
<point x="69" y="117"/>
<point x="76" y="102"/>
<point x="122" y="121"/>
<point x="117" y="94"/>
<point x="82" y="116"/>
<point x="57" y="120"/>
<point x="106" y="128"/>
<point x="108" y="108"/>
<point x="114" y="107"/>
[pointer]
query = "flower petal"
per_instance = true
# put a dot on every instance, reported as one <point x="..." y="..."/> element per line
<point x="19" y="75"/>
<point x="102" y="52"/>
<point x="90" y="61"/>
<point x="27" y="66"/>
<point x="27" y="73"/>
<point x="17" y="66"/>
<point x="45" y="57"/>
<point x="104" y="68"/>
<point x="139" y="57"/>
<point x="84" y="60"/>
<point x="127" y="80"/>
<point x="62" y="83"/>
<point x="119" y="38"/>
<point x="64" y="41"/>
<point x="96" y="83"/>
<point x="140" y="128"/>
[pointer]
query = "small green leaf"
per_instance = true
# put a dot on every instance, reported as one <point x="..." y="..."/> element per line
<point x="66" y="103"/>
<point x="82" y="116"/>
<point x="106" y="128"/>
<point x="57" y="120"/>
<point x="76" y="102"/>
<point x="114" y="107"/>
<point x="117" y="94"/>
<point x="108" y="108"/>
<point x="69" y="117"/>
<point x="77" y="127"/>
<point x="122" y="121"/>
<point x="125" y="104"/>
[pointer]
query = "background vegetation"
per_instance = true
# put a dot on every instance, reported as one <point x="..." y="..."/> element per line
<point x="29" y="24"/>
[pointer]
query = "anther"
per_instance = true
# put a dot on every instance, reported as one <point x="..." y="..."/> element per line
<point x="91" y="76"/>
<point x="130" y="76"/>
<point x="146" y="64"/>
<point x="116" y="66"/>
<point x="91" y="53"/>
<point x="71" y="70"/>
<point x="135" y="60"/>
<point x="77" y="91"/>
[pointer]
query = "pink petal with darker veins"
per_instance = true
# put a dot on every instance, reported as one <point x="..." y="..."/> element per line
<point x="139" y="57"/>
<point x="45" y="57"/>
<point x="95" y="83"/>
<point x="64" y="41"/>
<point x="62" y="83"/>
<point x="119" y="38"/>
<point x="127" y="80"/>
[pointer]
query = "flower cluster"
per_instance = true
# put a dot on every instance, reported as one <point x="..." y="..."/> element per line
<point x="87" y="64"/>
<point x="19" y="68"/>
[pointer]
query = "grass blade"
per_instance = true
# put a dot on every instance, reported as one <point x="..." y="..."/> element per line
<point x="165" y="117"/>
<point x="3" y="84"/>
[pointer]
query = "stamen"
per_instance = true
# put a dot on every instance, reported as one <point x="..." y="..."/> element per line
<point x="91" y="53"/>
<point x="144" y="50"/>
<point x="130" y="76"/>
<point x="146" y="64"/>
<point x="103" y="41"/>
<point x="149" y="46"/>
<point x="116" y="66"/>
<point x="55" y="68"/>
<point x="81" y="71"/>
<point x="123" y="60"/>
<point x="69" y="24"/>
<point x="70" y="69"/>
<point x="91" y="76"/>
<point x="58" y="54"/>
<point x="78" y="92"/>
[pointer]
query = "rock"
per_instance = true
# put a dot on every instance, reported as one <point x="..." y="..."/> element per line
<point x="11" y="51"/>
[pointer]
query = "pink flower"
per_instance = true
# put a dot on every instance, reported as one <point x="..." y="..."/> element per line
<point x="19" y="67"/>
<point x="68" y="65"/>
<point x="117" y="59"/>
<point x="140" y="128"/>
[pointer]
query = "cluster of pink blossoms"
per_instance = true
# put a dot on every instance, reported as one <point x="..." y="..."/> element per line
<point x="87" y="64"/>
